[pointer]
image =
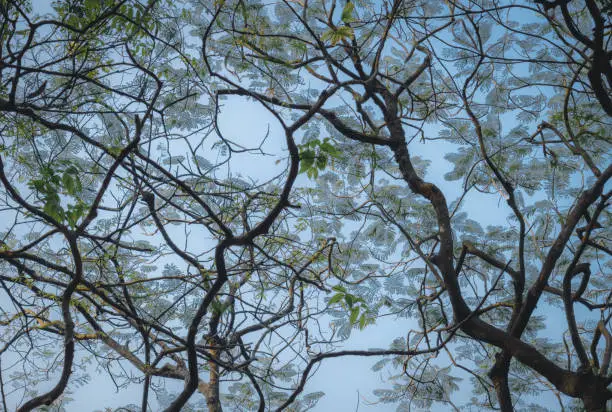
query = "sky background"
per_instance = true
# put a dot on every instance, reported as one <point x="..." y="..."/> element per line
<point x="348" y="382"/>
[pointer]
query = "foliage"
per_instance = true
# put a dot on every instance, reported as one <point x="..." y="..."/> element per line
<point x="142" y="238"/>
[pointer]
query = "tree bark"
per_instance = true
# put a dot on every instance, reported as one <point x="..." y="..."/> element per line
<point x="595" y="394"/>
<point x="213" y="401"/>
<point x="594" y="404"/>
<point x="499" y="376"/>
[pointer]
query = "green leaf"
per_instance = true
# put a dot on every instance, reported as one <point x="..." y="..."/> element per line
<point x="330" y="149"/>
<point x="354" y="315"/>
<point x="91" y="6"/>
<point x="68" y="183"/>
<point x="362" y="321"/>
<point x="53" y="207"/>
<point x="218" y="307"/>
<point x="71" y="181"/>
<point x="75" y="212"/>
<point x="337" y="35"/>
<point x="335" y="299"/>
<point x="307" y="158"/>
<point x="350" y="299"/>
<point x="321" y="162"/>
<point x="347" y="12"/>
<point x="37" y="184"/>
<point x="114" y="150"/>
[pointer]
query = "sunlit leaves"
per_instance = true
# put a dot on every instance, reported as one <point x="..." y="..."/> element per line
<point x="347" y="12"/>
<point x="336" y="35"/>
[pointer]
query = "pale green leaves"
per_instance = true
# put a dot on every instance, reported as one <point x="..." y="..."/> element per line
<point x="335" y="36"/>
<point x="347" y="12"/>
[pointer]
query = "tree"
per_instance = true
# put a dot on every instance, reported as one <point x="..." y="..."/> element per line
<point x="377" y="73"/>
<point x="111" y="111"/>
<point x="126" y="240"/>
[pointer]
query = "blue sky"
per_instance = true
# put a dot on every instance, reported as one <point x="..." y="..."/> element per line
<point x="348" y="382"/>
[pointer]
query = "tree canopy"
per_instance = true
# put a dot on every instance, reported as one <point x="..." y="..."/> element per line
<point x="443" y="163"/>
